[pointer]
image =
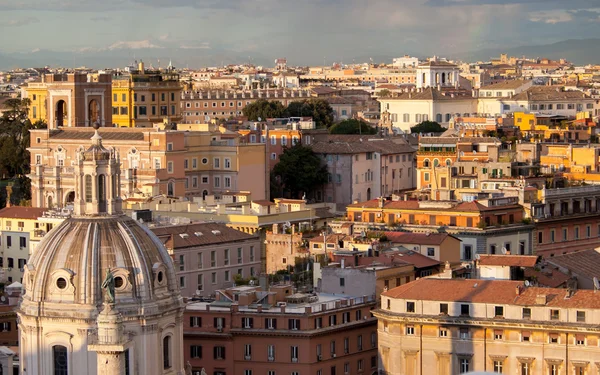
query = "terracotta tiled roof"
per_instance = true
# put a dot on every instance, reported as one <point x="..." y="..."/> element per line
<point x="583" y="263"/>
<point x="264" y="203"/>
<point x="508" y="260"/>
<point x="107" y="135"/>
<point x="501" y="292"/>
<point x="431" y="93"/>
<point x="171" y="235"/>
<point x="356" y="146"/>
<point x="414" y="205"/>
<point x="542" y="93"/>
<point x="505" y="85"/>
<point x="550" y="277"/>
<point x="18" y="212"/>
<point x="417" y="238"/>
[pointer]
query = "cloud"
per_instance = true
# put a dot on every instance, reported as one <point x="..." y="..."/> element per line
<point x="551" y="17"/>
<point x="204" y="45"/>
<point x="21" y="22"/>
<point x="100" y="18"/>
<point x="133" y="44"/>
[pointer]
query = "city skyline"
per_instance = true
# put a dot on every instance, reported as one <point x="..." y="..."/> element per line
<point x="308" y="32"/>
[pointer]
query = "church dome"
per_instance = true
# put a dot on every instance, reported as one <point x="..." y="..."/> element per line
<point x="70" y="263"/>
<point x="96" y="151"/>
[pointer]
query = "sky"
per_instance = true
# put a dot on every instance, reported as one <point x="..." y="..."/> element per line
<point x="323" y="30"/>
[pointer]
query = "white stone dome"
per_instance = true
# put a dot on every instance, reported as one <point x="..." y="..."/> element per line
<point x="70" y="264"/>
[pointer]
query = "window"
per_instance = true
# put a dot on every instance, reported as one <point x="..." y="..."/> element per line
<point x="444" y="308"/>
<point x="579" y="339"/>
<point x="219" y="352"/>
<point x="499" y="311"/>
<point x="346" y="317"/>
<point x="410" y="307"/>
<point x="216" y="163"/>
<point x="464" y="310"/>
<point x="553" y="369"/>
<point x="60" y="360"/>
<point x="526" y="313"/>
<point x="430" y="252"/>
<point x="360" y="365"/>
<point x="247" y="322"/>
<point x="359" y="343"/>
<point x="227" y="274"/>
<point x="332" y="348"/>
<point x="581" y="316"/>
<point x="226" y="257"/>
<point x="227" y="162"/>
<point x="167" y="352"/>
<point x="294" y="354"/>
<point x="270" y="323"/>
<point x="464" y="333"/>
<point x="247" y="352"/>
<point x="213" y="277"/>
<point x="464" y="365"/>
<point x="498" y="334"/>
<point x="498" y="366"/>
<point x="271" y="353"/>
<point x="554" y="314"/>
<point x="443" y="332"/>
<point x="318" y="323"/>
<point x="88" y="189"/>
<point x="525" y="368"/>
<point x="553" y="338"/>
<point x="247" y="372"/>
<point x="410" y="330"/>
<point x="273" y="140"/>
<point x="22" y="242"/>
<point x="294" y="324"/>
<point x="170" y="167"/>
<point x="526" y="336"/>
<point x="227" y="181"/>
<point x="373" y="340"/>
<point x="182" y="281"/>
<point x="217" y="182"/>
<point x="196" y="351"/>
<point x="332" y="320"/>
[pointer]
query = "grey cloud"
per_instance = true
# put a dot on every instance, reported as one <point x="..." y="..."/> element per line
<point x="20" y="22"/>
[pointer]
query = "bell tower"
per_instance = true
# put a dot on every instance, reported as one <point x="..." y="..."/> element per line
<point x="97" y="180"/>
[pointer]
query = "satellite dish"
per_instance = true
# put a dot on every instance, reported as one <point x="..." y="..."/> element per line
<point x="477" y="256"/>
<point x="596" y="283"/>
<point x="3" y="299"/>
<point x="527" y="283"/>
<point x="503" y="250"/>
<point x="198" y="292"/>
<point x="259" y="119"/>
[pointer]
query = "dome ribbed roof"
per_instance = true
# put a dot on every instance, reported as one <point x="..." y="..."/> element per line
<point x="80" y="251"/>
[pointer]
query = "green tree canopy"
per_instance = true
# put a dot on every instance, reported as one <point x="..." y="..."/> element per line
<point x="300" y="170"/>
<point x="384" y="93"/>
<point x="318" y="109"/>
<point x="427" y="127"/>
<point x="352" y="126"/>
<point x="264" y="109"/>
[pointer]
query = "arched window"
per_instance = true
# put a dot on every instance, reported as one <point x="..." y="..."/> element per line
<point x="167" y="352"/>
<point x="88" y="188"/>
<point x="448" y="162"/>
<point x="438" y="117"/>
<point x="426" y="163"/>
<point x="448" y="116"/>
<point x="436" y="162"/>
<point x="102" y="193"/>
<point x="443" y="78"/>
<point x="171" y="188"/>
<point x="60" y="360"/>
<point x="437" y="78"/>
<point x="49" y="206"/>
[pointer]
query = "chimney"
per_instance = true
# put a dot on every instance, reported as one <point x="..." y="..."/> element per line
<point x="541" y="299"/>
<point x="518" y="290"/>
<point x="343" y="263"/>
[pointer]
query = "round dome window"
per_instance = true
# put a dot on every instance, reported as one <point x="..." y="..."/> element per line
<point x="61" y="283"/>
<point x="160" y="277"/>
<point x="118" y="282"/>
<point x="204" y="161"/>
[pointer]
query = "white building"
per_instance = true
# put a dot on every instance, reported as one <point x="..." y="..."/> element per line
<point x="437" y="73"/>
<point x="100" y="255"/>
<point x="405" y="62"/>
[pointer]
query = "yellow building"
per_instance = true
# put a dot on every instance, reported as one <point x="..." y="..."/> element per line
<point x="21" y="229"/>
<point x="454" y="326"/>
<point x="143" y="98"/>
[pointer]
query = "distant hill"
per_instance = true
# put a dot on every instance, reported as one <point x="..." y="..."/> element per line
<point x="578" y="51"/>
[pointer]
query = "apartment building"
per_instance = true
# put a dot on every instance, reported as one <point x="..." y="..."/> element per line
<point x="452" y="167"/>
<point x="185" y="162"/>
<point x="20" y="231"/>
<point x="70" y="100"/>
<point x="199" y="107"/>
<point x="208" y="256"/>
<point x="363" y="167"/>
<point x="275" y="330"/>
<point x="566" y="220"/>
<point x="553" y="128"/>
<point x="144" y="97"/>
<point x="484" y="226"/>
<point x="453" y="326"/>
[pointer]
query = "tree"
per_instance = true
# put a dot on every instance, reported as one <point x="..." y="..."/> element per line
<point x="427" y="127"/>
<point x="385" y="93"/>
<point x="319" y="109"/>
<point x="352" y="126"/>
<point x="264" y="109"/>
<point x="300" y="170"/>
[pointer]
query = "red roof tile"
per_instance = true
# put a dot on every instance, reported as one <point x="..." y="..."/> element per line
<point x="508" y="260"/>
<point x="418" y="238"/>
<point x="19" y="212"/>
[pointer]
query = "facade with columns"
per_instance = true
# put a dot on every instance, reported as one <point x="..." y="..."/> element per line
<point x="64" y="326"/>
<point x="567" y="220"/>
<point x="70" y="100"/>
